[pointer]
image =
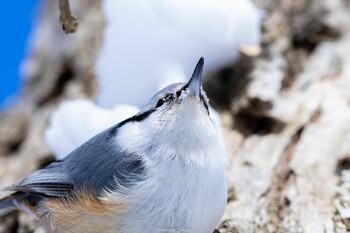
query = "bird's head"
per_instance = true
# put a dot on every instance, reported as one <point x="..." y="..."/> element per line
<point x="182" y="104"/>
<point x="175" y="121"/>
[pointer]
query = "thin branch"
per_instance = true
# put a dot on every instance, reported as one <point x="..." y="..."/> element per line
<point x="68" y="21"/>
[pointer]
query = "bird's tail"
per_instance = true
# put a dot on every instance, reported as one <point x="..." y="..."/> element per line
<point x="7" y="203"/>
<point x="20" y="201"/>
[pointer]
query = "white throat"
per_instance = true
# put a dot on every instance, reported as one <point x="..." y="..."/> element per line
<point x="187" y="133"/>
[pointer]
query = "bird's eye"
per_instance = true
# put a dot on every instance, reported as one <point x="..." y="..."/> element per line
<point x="160" y="103"/>
<point x="178" y="93"/>
<point x="169" y="97"/>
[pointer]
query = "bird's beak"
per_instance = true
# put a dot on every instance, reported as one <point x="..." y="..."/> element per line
<point x="195" y="82"/>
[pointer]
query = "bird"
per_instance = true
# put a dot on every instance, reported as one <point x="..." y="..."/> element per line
<point x="161" y="170"/>
<point x="232" y="27"/>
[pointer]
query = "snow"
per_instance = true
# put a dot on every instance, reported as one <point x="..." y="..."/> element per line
<point x="147" y="45"/>
<point x="157" y="40"/>
<point x="76" y="121"/>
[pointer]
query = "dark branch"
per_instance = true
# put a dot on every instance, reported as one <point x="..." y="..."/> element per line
<point x="68" y="21"/>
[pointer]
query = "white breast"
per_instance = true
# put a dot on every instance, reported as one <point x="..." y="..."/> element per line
<point x="179" y="196"/>
<point x="186" y="185"/>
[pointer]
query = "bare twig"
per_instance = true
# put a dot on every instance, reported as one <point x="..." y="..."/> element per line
<point x="68" y="21"/>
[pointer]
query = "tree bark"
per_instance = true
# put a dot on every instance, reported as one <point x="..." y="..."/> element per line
<point x="59" y="67"/>
<point x="288" y="139"/>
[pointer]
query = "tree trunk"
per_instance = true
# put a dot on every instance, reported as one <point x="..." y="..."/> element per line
<point x="59" y="67"/>
<point x="286" y="114"/>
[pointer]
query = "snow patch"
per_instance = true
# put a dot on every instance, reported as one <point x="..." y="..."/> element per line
<point x="148" y="42"/>
<point x="76" y="121"/>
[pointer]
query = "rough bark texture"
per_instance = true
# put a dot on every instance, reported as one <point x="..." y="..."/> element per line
<point x="286" y="115"/>
<point x="288" y="132"/>
<point x="60" y="66"/>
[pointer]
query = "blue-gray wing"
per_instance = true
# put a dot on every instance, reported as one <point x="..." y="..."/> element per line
<point x="50" y="181"/>
<point x="97" y="165"/>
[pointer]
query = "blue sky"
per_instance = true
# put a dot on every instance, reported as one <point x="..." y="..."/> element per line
<point x="16" y="19"/>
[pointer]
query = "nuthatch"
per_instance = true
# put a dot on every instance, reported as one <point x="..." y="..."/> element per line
<point x="161" y="170"/>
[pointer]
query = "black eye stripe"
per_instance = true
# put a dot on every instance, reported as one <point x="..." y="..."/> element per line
<point x="166" y="98"/>
<point x="178" y="93"/>
<point x="169" y="97"/>
<point x="160" y="103"/>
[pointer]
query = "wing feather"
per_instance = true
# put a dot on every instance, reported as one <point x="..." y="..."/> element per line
<point x="97" y="165"/>
<point x="50" y="181"/>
